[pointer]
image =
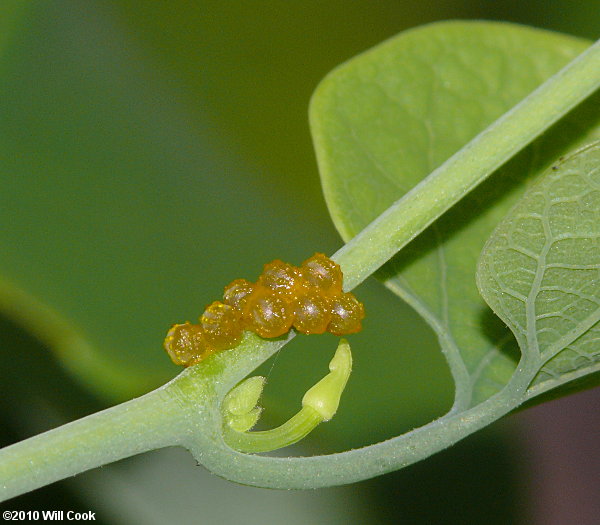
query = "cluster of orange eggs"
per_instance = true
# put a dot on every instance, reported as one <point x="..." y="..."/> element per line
<point x="308" y="298"/>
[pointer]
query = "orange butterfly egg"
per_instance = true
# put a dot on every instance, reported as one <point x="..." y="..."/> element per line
<point x="236" y="293"/>
<point x="280" y="277"/>
<point x="347" y="312"/>
<point x="310" y="298"/>
<point x="221" y="325"/>
<point x="311" y="312"/>
<point x="323" y="273"/>
<point x="267" y="313"/>
<point x="186" y="345"/>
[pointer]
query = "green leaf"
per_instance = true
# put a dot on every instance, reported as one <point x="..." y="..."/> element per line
<point x="540" y="271"/>
<point x="386" y="119"/>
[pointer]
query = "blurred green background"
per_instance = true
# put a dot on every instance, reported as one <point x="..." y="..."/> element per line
<point x="151" y="152"/>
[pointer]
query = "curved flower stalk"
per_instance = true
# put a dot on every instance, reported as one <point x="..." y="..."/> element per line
<point x="319" y="404"/>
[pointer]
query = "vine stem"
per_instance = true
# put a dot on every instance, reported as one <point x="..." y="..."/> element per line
<point x="450" y="182"/>
<point x="139" y="425"/>
<point x="187" y="411"/>
<point x="367" y="462"/>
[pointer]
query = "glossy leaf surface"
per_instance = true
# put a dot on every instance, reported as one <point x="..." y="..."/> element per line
<point x="386" y="119"/>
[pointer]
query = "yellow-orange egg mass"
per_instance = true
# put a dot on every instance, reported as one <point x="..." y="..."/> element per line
<point x="309" y="298"/>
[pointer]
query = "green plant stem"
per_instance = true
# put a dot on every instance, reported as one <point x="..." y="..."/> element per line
<point x="187" y="411"/>
<point x="164" y="417"/>
<point x="456" y="177"/>
<point x="293" y="430"/>
<point x="139" y="425"/>
<point x="367" y="462"/>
